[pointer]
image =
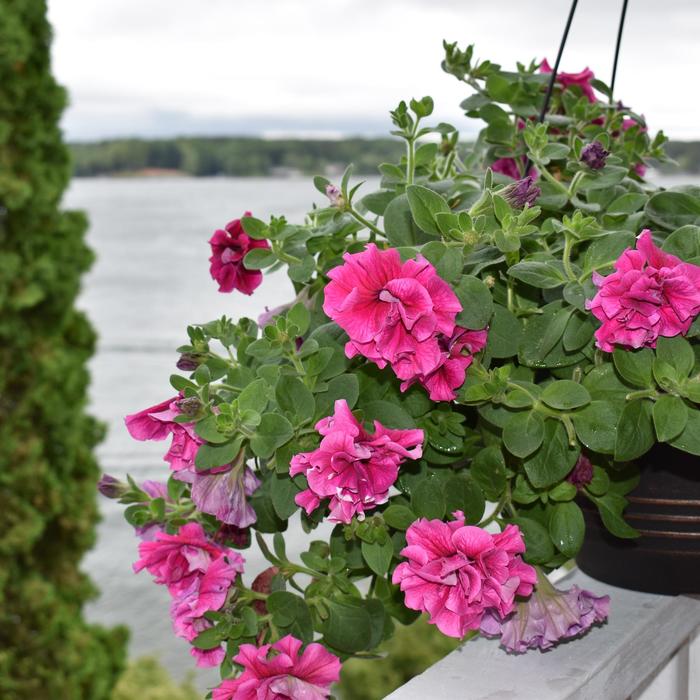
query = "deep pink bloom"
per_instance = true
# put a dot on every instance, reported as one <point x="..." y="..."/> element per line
<point x="650" y="294"/>
<point x="206" y="592"/>
<point x="279" y="671"/>
<point x="157" y="422"/>
<point x="509" y="167"/>
<point x="457" y="354"/>
<point x="177" y="560"/>
<point x="457" y="572"/>
<point x="548" y="617"/>
<point x="229" y="246"/>
<point x="391" y="311"/>
<point x="582" y="79"/>
<point x="223" y="493"/>
<point x="351" y="466"/>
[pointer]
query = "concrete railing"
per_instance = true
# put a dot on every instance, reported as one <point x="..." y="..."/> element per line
<point x="648" y="650"/>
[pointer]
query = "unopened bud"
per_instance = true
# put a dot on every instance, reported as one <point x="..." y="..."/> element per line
<point x="189" y="361"/>
<point x="112" y="487"/>
<point x="521" y="193"/>
<point x="489" y="281"/>
<point x="189" y="406"/>
<point x="594" y="155"/>
<point x="335" y="196"/>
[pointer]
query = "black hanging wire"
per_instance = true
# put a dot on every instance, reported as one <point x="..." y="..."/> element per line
<point x="553" y="76"/>
<point x="555" y="70"/>
<point x="617" y="49"/>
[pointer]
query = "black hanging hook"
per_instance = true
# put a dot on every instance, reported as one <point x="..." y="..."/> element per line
<point x="617" y="49"/>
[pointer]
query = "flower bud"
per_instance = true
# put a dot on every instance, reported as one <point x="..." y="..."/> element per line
<point x="582" y="473"/>
<point x="189" y="406"/>
<point x="189" y="361"/>
<point x="263" y="584"/>
<point x="594" y="155"/>
<point x="521" y="193"/>
<point x="335" y="196"/>
<point x="112" y="487"/>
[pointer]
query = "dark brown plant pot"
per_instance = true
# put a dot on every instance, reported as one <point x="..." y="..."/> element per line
<point x="665" y="508"/>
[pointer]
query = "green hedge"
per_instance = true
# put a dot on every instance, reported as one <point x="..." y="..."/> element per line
<point x="47" y="468"/>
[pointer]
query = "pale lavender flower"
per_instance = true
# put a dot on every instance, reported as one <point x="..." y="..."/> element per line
<point x="335" y="196"/>
<point x="266" y="318"/>
<point x="521" y="193"/>
<point x="594" y="155"/>
<point x="548" y="617"/>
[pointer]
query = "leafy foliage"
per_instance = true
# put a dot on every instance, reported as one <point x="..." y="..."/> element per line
<point x="47" y="469"/>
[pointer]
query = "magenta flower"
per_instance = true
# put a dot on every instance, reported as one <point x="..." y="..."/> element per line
<point x="457" y="572"/>
<point x="156" y="423"/>
<point x="229" y="246"/>
<point x="457" y="354"/>
<point x="582" y="79"/>
<point x="650" y="294"/>
<point x="273" y="672"/>
<point x="207" y="592"/>
<point x="178" y="560"/>
<point x="548" y="617"/>
<point x="392" y="312"/>
<point x="351" y="466"/>
<point x="223" y="493"/>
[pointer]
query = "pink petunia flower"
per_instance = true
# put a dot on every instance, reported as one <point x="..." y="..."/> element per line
<point x="457" y="354"/>
<point x="273" y="672"/>
<point x="229" y="246"/>
<point x="352" y="467"/>
<point x="582" y="79"/>
<point x="391" y="311"/>
<point x="206" y="592"/>
<point x="457" y="572"/>
<point x="178" y="560"/>
<point x="156" y="423"/>
<point x="548" y="617"/>
<point x="650" y="294"/>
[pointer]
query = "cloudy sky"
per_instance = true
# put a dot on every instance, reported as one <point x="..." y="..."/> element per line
<point x="334" y="67"/>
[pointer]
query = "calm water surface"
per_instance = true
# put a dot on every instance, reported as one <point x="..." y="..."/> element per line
<point x="150" y="280"/>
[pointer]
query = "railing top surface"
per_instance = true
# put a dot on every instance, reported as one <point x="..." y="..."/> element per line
<point x="611" y="661"/>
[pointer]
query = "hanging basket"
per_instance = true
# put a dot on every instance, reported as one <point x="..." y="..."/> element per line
<point x="665" y="508"/>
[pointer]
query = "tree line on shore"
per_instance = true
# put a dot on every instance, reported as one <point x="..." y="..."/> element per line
<point x="250" y="156"/>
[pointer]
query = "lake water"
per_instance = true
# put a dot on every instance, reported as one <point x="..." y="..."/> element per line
<point x="150" y="280"/>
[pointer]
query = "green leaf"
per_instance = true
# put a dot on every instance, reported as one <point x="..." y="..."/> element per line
<point x="389" y="414"/>
<point x="635" y="366"/>
<point x="208" y="639"/>
<point x="538" y="544"/>
<point x="523" y="433"/>
<point x="425" y="204"/>
<point x="398" y="223"/>
<point x="596" y="426"/>
<point x="673" y="209"/>
<point x="345" y="386"/>
<point x="295" y="398"/>
<point x="505" y="332"/>
<point x="428" y="500"/>
<point x="250" y="620"/>
<point x="670" y="417"/>
<point x="282" y="491"/>
<point x="274" y="430"/>
<point x="677" y="352"/>
<point x="462" y="493"/>
<point x="689" y="439"/>
<point x="635" y="431"/>
<point x="254" y="397"/>
<point x="348" y="626"/>
<point x="378" y="556"/>
<point x="488" y="469"/>
<point x="476" y="301"/>
<point x="565" y="395"/>
<point x="554" y="459"/>
<point x="212" y="456"/>
<point x="300" y="317"/>
<point x="567" y="528"/>
<point x="602" y="179"/>
<point x="684" y="243"/>
<point x="291" y="613"/>
<point x="207" y="429"/>
<point x="448" y="265"/>
<point x="610" y="508"/>
<point x="604" y="252"/>
<point x="537" y="274"/>
<point x="254" y="227"/>
<point x="399" y="517"/>
<point x="258" y="258"/>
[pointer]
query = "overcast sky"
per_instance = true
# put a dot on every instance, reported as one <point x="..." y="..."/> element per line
<point x="335" y="67"/>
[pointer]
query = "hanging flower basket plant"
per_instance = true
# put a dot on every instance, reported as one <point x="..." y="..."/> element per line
<point x="476" y="350"/>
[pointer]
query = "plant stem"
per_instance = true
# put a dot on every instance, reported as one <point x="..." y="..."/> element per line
<point x="367" y="224"/>
<point x="568" y="245"/>
<point x="410" y="159"/>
